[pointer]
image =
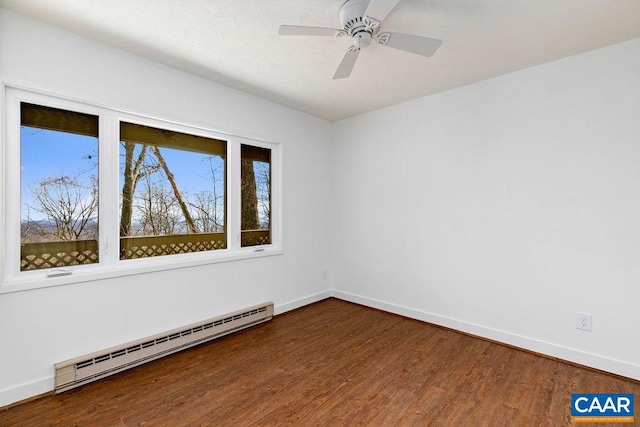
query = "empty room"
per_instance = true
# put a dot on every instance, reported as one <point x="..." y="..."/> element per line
<point x="362" y="212"/>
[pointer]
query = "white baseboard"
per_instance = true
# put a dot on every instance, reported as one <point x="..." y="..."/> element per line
<point x="301" y="302"/>
<point x="595" y="361"/>
<point x="26" y="391"/>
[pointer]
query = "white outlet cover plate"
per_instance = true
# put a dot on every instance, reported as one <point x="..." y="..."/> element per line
<point x="583" y="321"/>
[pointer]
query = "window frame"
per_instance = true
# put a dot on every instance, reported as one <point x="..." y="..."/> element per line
<point x="180" y="129"/>
<point x="110" y="265"/>
<point x="270" y="196"/>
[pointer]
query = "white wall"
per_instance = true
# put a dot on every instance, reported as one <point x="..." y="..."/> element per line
<point x="502" y="208"/>
<point x="41" y="327"/>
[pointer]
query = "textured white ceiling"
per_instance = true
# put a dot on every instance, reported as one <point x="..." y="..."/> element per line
<point x="235" y="42"/>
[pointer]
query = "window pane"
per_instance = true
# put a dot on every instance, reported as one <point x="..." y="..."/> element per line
<point x="255" y="195"/>
<point x="172" y="197"/>
<point x="58" y="187"/>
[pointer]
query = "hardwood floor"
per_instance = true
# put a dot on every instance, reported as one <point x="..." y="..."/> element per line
<point x="332" y="363"/>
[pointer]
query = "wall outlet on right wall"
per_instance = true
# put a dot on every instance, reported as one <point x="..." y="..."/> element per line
<point x="583" y="321"/>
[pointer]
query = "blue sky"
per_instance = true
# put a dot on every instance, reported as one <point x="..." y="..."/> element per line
<point x="46" y="153"/>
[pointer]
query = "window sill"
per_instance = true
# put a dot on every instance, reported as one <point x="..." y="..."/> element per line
<point x="133" y="267"/>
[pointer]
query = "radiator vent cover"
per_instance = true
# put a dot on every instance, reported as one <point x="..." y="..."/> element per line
<point x="81" y="370"/>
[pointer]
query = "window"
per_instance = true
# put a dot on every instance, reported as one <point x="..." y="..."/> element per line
<point x="59" y="199"/>
<point x="95" y="190"/>
<point x="255" y="195"/>
<point x="172" y="192"/>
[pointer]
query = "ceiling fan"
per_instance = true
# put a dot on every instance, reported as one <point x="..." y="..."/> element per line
<point x="362" y="20"/>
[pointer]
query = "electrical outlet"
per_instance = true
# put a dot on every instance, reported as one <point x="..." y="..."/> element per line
<point x="325" y="274"/>
<point x="583" y="321"/>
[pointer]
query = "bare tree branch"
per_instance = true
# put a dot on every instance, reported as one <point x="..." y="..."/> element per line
<point x="68" y="206"/>
<point x="176" y="190"/>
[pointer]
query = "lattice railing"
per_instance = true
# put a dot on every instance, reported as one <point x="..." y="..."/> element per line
<point x="256" y="237"/>
<point x="142" y="247"/>
<point x="34" y="256"/>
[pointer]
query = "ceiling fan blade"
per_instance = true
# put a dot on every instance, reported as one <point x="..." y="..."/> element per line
<point x="415" y="44"/>
<point x="295" y="30"/>
<point x="379" y="9"/>
<point x="346" y="65"/>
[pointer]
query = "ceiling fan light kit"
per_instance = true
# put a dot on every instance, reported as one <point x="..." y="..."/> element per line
<point x="362" y="21"/>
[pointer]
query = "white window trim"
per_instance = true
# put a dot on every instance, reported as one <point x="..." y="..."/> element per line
<point x="110" y="265"/>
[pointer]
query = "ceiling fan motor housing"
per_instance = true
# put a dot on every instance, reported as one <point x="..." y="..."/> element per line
<point x="358" y="26"/>
<point x="352" y="12"/>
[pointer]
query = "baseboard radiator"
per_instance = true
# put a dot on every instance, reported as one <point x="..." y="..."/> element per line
<point x="81" y="370"/>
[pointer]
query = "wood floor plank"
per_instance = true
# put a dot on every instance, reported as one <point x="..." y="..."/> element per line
<point x="332" y="363"/>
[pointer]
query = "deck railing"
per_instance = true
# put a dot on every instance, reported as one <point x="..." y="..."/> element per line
<point x="34" y="256"/>
<point x="142" y="247"/>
